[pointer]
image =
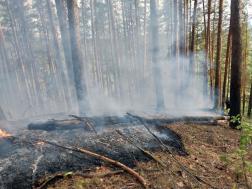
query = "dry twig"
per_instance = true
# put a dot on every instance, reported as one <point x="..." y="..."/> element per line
<point x="149" y="154"/>
<point x="60" y="176"/>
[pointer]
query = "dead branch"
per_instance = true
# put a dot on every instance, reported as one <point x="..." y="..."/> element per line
<point x="86" y="121"/>
<point x="149" y="154"/>
<point x="103" y="158"/>
<point x="50" y="180"/>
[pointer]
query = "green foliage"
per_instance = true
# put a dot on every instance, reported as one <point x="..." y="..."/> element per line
<point x="236" y="119"/>
<point x="239" y="158"/>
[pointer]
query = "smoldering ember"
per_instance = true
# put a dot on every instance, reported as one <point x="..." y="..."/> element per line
<point x="125" y="94"/>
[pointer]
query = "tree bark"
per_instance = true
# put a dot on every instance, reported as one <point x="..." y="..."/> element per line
<point x="217" y="91"/>
<point x="235" y="85"/>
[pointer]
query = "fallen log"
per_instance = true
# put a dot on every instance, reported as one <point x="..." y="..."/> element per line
<point x="159" y="120"/>
<point x="52" y="125"/>
<point x="91" y="123"/>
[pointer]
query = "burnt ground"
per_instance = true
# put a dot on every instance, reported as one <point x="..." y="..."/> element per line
<point x="26" y="157"/>
<point x="205" y="145"/>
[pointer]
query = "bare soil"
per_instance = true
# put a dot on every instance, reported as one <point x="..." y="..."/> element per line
<point x="205" y="146"/>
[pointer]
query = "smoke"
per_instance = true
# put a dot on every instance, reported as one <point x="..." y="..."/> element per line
<point x="117" y="69"/>
<point x="183" y="92"/>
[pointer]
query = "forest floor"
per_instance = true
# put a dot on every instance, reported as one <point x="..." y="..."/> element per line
<point x="205" y="146"/>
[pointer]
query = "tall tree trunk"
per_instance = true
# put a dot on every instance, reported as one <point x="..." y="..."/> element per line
<point x="205" y="64"/>
<point x="145" y="37"/>
<point x="115" y="52"/>
<point x="211" y="51"/>
<point x="181" y="29"/>
<point x="208" y="35"/>
<point x="94" y="44"/>
<point x="192" y="45"/>
<point x="235" y="85"/>
<point x="250" y="100"/>
<point x="227" y="61"/>
<point x="176" y="32"/>
<point x="60" y="67"/>
<point x="20" y="59"/>
<point x="217" y="91"/>
<point x="26" y="38"/>
<point x="79" y="79"/>
<point x="61" y="12"/>
<point x="50" y="76"/>
<point x="186" y="23"/>
<point x="6" y="73"/>
<point x="155" y="50"/>
<point x="244" y="70"/>
<point x="208" y="44"/>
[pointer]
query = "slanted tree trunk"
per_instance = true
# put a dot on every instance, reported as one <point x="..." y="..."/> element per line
<point x="235" y="85"/>
<point x="217" y="91"/>
<point x="6" y="69"/>
<point x="2" y="115"/>
<point x="79" y="80"/>
<point x="155" y="64"/>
